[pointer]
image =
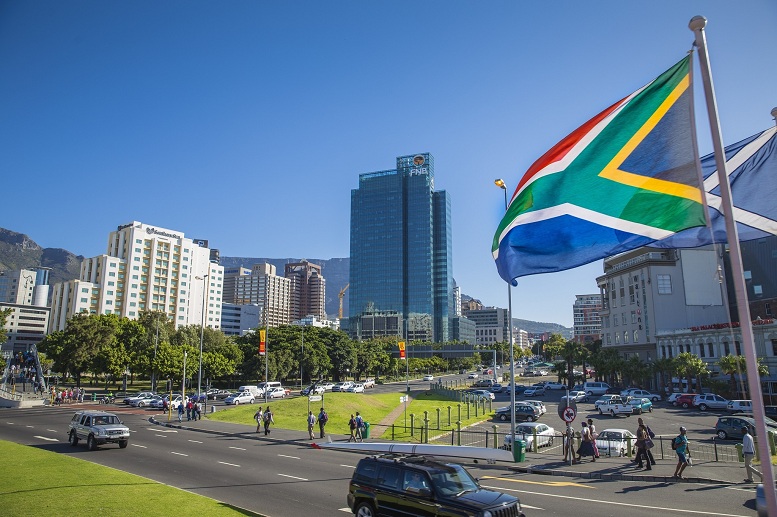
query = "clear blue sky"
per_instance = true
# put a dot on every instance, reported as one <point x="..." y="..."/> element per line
<point x="248" y="123"/>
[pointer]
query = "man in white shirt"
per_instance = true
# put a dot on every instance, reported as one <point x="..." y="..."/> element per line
<point x="748" y="449"/>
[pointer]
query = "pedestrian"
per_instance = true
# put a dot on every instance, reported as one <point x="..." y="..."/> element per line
<point x="568" y="450"/>
<point x="323" y="418"/>
<point x="188" y="410"/>
<point x="594" y="435"/>
<point x="359" y="427"/>
<point x="682" y="448"/>
<point x="649" y="442"/>
<point x="352" y="427"/>
<point x="180" y="412"/>
<point x="586" y="448"/>
<point x="198" y="409"/>
<point x="268" y="419"/>
<point x="311" y="423"/>
<point x="748" y="449"/>
<point x="642" y="446"/>
<point x="259" y="417"/>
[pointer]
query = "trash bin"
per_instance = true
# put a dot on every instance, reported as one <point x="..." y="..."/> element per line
<point x="519" y="451"/>
<point x="94" y="397"/>
<point x="366" y="432"/>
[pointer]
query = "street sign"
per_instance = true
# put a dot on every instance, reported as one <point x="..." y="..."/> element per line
<point x="569" y="414"/>
<point x="563" y="405"/>
<point x="314" y="398"/>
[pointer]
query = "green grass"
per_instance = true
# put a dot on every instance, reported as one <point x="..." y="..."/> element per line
<point x="47" y="483"/>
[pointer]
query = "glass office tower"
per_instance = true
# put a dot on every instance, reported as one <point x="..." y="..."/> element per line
<point x="401" y="254"/>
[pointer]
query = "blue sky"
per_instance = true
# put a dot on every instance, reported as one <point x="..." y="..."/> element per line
<point x="248" y="123"/>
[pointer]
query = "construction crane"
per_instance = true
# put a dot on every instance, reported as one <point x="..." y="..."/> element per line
<point x="342" y="293"/>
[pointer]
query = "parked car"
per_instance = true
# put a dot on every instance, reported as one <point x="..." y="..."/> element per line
<point x="616" y="406"/>
<point x="428" y="377"/>
<point x="624" y="393"/>
<point x="159" y="403"/>
<point x="540" y="373"/>
<point x="710" y="401"/>
<point x="640" y="405"/>
<point x="216" y="394"/>
<point x="327" y="385"/>
<point x="672" y="398"/>
<point x="539" y="405"/>
<point x="613" y="442"/>
<point x="342" y="386"/>
<point x="685" y="400"/>
<point x="526" y="432"/>
<point x="142" y="395"/>
<point x="313" y="389"/>
<point x="575" y="396"/>
<point x="368" y="383"/>
<point x="483" y="393"/>
<point x="484" y="383"/>
<point x="276" y="393"/>
<point x="472" y="375"/>
<point x="497" y="388"/>
<point x="523" y="413"/>
<point x="519" y="388"/>
<point x="638" y="393"/>
<point x="603" y="400"/>
<point x="730" y="427"/>
<point x="403" y="486"/>
<point x="553" y="385"/>
<point x="595" y="388"/>
<point x="534" y="391"/>
<point x="142" y="401"/>
<point x="740" y="406"/>
<point x="243" y="397"/>
<point x="97" y="428"/>
<point x="355" y="388"/>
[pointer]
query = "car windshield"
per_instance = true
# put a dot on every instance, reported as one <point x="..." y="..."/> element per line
<point x="610" y="435"/>
<point x="453" y="480"/>
<point x="521" y="429"/>
<point x="105" y="420"/>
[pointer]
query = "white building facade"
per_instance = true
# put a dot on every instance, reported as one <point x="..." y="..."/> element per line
<point x="145" y="268"/>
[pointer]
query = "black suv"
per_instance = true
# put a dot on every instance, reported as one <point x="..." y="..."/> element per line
<point x="420" y="486"/>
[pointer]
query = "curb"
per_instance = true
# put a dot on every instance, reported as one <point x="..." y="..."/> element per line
<point x="615" y="477"/>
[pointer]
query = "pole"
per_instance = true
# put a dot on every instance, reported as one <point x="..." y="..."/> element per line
<point x="202" y="332"/>
<point x="697" y="25"/>
<point x="266" y="333"/>
<point x="183" y="381"/>
<point x="153" y="366"/>
<point x="301" y="357"/>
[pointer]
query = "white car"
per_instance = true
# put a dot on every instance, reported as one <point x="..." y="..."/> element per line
<point x="613" y="442"/>
<point x="142" y="401"/>
<point x="428" y="377"/>
<point x="673" y="397"/>
<point x="342" y="386"/>
<point x="146" y="395"/>
<point x="369" y="383"/>
<point x="327" y="385"/>
<point x="552" y="385"/>
<point x="534" y="391"/>
<point x="472" y="376"/>
<point x="604" y="399"/>
<point x="276" y="393"/>
<point x="641" y="394"/>
<point x="525" y="431"/>
<point x="355" y="388"/>
<point x="244" y="397"/>
<point x="740" y="406"/>
<point x="538" y="404"/>
<point x="484" y="393"/>
<point x="576" y="396"/>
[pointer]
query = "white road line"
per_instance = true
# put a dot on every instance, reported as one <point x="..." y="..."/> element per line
<point x="196" y="441"/>
<point x="348" y="467"/>
<point x="615" y="503"/>
<point x="161" y="435"/>
<point x="29" y="426"/>
<point x="292" y="457"/>
<point x="238" y="448"/>
<point x="47" y="439"/>
<point x="52" y="430"/>
<point x="230" y="464"/>
<point x="141" y="446"/>
<point x="10" y="423"/>
<point x="346" y="509"/>
<point x="293" y="477"/>
<point x="178" y="453"/>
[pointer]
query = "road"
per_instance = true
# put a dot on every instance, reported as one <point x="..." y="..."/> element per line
<point x="282" y="479"/>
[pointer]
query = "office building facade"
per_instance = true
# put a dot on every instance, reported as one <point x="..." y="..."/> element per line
<point x="401" y="251"/>
<point x="272" y="293"/>
<point x="587" y="323"/>
<point x="308" y="290"/>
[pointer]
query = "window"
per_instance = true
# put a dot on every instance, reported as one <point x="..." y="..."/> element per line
<point x="636" y="336"/>
<point x="625" y="336"/>
<point x="768" y="309"/>
<point x="617" y="338"/>
<point x="701" y="351"/>
<point x="664" y="284"/>
<point x="633" y="316"/>
<point x="757" y="289"/>
<point x="726" y="349"/>
<point x="774" y="347"/>
<point x="711" y="349"/>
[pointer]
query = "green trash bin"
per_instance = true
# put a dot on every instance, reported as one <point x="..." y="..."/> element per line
<point x="366" y="432"/>
<point x="519" y="451"/>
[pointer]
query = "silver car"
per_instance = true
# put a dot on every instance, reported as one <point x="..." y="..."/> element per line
<point x="97" y="428"/>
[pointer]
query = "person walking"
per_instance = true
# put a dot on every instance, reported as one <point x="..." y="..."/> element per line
<point x="180" y="412"/>
<point x="682" y="448"/>
<point x="649" y="442"/>
<point x="592" y="430"/>
<point x="311" y="423"/>
<point x="323" y="418"/>
<point x="585" y="449"/>
<point x="642" y="444"/>
<point x="352" y="427"/>
<point x="259" y="417"/>
<point x="748" y="449"/>
<point x="359" y="427"/>
<point x="268" y="419"/>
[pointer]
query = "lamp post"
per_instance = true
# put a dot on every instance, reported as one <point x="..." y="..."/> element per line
<point x="302" y="355"/>
<point x="153" y="362"/>
<point x="202" y="331"/>
<point x="501" y="184"/>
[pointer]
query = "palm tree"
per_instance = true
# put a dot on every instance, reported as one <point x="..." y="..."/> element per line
<point x="573" y="353"/>
<point x="737" y="364"/>
<point x="665" y="367"/>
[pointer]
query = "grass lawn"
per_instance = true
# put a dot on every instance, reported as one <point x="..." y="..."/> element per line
<point x="292" y="413"/>
<point x="47" y="483"/>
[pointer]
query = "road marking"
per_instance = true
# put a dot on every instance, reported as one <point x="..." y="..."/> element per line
<point x="230" y="464"/>
<point x="158" y="430"/>
<point x="196" y="441"/>
<point x="29" y="426"/>
<point x="141" y="446"/>
<point x="292" y="457"/>
<point x="179" y="453"/>
<point x="47" y="439"/>
<point x="161" y="435"/>
<point x="546" y="483"/>
<point x="293" y="477"/>
<point x="616" y="503"/>
<point x="52" y="430"/>
<point x="346" y="509"/>
<point x="238" y="448"/>
<point x="348" y="467"/>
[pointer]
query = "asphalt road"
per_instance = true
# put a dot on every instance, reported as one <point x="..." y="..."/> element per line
<point x="281" y="479"/>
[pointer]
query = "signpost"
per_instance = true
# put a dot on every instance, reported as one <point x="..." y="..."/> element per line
<point x="569" y="415"/>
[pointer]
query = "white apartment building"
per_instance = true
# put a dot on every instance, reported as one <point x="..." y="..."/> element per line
<point x="266" y="289"/>
<point x="145" y="268"/>
<point x="587" y="322"/>
<point x="24" y="293"/>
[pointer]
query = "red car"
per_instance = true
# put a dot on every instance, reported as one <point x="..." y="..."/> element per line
<point x="685" y="400"/>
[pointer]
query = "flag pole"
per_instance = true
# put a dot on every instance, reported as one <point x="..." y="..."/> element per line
<point x="697" y="25"/>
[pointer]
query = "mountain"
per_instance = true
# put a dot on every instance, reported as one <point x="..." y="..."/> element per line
<point x="18" y="251"/>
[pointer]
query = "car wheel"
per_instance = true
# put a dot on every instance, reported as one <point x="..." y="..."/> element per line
<point x="685" y="405"/>
<point x="530" y="419"/>
<point x="237" y="402"/>
<point x="702" y="407"/>
<point x="503" y="417"/>
<point x="722" y="435"/>
<point x="590" y="394"/>
<point x="550" y="441"/>
<point x="640" y="411"/>
<point x="91" y="443"/>
<point x="123" y="444"/>
<point x="655" y="399"/>
<point x="600" y="411"/>
<point x="73" y="439"/>
<point x="650" y="409"/>
<point x="622" y="453"/>
<point x="364" y="509"/>
<point x="140" y="404"/>
<point x="612" y="412"/>
<point x="251" y="401"/>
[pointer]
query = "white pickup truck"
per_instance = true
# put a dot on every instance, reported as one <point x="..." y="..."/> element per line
<point x="615" y="406"/>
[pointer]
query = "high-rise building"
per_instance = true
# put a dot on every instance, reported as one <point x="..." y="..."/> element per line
<point x="401" y="251"/>
<point x="587" y="323"/>
<point x="23" y="292"/>
<point x="145" y="268"/>
<point x="238" y="320"/>
<point x="269" y="291"/>
<point x="492" y="325"/>
<point x="308" y="290"/>
<point x="230" y="281"/>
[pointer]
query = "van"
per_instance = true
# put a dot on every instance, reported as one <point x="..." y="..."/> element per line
<point x="595" y="388"/>
<point x="271" y="384"/>
<point x="253" y="390"/>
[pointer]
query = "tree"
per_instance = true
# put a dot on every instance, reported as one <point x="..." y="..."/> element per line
<point x="553" y="347"/>
<point x="573" y="353"/>
<point x="737" y="364"/>
<point x="664" y="367"/>
<point x="690" y="366"/>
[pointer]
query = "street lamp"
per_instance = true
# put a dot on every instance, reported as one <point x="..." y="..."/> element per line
<point x="302" y="355"/>
<point x="202" y="331"/>
<point x="501" y="184"/>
